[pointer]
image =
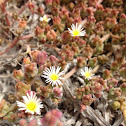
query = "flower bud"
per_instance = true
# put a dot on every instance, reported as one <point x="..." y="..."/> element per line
<point x="40" y="11"/>
<point x="70" y="21"/>
<point x="31" y="70"/>
<point x="102" y="59"/>
<point x="61" y="27"/>
<point x="21" y="89"/>
<point x="11" y="98"/>
<point x="123" y="106"/>
<point x="41" y="58"/>
<point x="55" y="10"/>
<point x="83" y="107"/>
<point x="64" y="14"/>
<point x="41" y="68"/>
<point x="71" y="6"/>
<point x="114" y="93"/>
<point x="98" y="95"/>
<point x="112" y="82"/>
<point x="57" y="91"/>
<point x="49" y="2"/>
<point x="15" y="15"/>
<point x="56" y="21"/>
<point x="110" y="22"/>
<point x="10" y="117"/>
<point x="62" y="62"/>
<point x="93" y="61"/>
<point x="34" y="54"/>
<point x="122" y="18"/>
<point x="22" y="122"/>
<point x="114" y="66"/>
<point x="76" y="12"/>
<point x="39" y="31"/>
<point x="33" y="123"/>
<point x="56" y="113"/>
<point x="2" y="104"/>
<point x="115" y="105"/>
<point x="124" y="50"/>
<point x="93" y="3"/>
<point x="51" y="35"/>
<point x="18" y="74"/>
<point x="100" y="28"/>
<point x="26" y="60"/>
<point x="22" y="24"/>
<point x="4" y="108"/>
<point x="122" y="72"/>
<point x="96" y="87"/>
<point x="87" y="99"/>
<point x="56" y="2"/>
<point x="66" y="36"/>
<point x="88" y="51"/>
<point x="123" y="87"/>
<point x="106" y="74"/>
<point x="81" y="61"/>
<point x="52" y="118"/>
<point x="99" y="48"/>
<point x="53" y="59"/>
<point x="31" y="7"/>
<point x="90" y="11"/>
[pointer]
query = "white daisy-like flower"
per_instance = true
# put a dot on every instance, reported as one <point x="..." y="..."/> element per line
<point x="87" y="73"/>
<point x="45" y="18"/>
<point x="77" y="30"/>
<point x="30" y="103"/>
<point x="53" y="75"/>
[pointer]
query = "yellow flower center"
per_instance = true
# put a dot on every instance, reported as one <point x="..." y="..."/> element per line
<point x="76" y="32"/>
<point x="87" y="74"/>
<point x="45" y="19"/>
<point x="54" y="77"/>
<point x="31" y="105"/>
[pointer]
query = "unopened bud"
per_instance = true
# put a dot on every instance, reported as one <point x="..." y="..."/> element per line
<point x="123" y="71"/>
<point x="123" y="87"/>
<point x="115" y="105"/>
<point x="18" y="74"/>
<point x="112" y="82"/>
<point x="106" y="74"/>
<point x="31" y="7"/>
<point x="22" y="24"/>
<point x="51" y="35"/>
<point x="22" y="122"/>
<point x="41" y="58"/>
<point x="26" y="60"/>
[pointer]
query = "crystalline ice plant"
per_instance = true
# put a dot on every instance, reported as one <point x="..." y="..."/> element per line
<point x="45" y="18"/>
<point x="30" y="103"/>
<point x="53" y="75"/>
<point x="77" y="30"/>
<point x="87" y="73"/>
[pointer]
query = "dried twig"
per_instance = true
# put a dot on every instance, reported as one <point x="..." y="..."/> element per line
<point x="15" y="42"/>
<point x="89" y="113"/>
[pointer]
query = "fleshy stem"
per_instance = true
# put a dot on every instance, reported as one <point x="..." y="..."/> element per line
<point x="105" y="37"/>
<point x="14" y="43"/>
<point x="4" y="11"/>
<point x="23" y="8"/>
<point x="68" y="75"/>
<point x="95" y="69"/>
<point x="52" y="46"/>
